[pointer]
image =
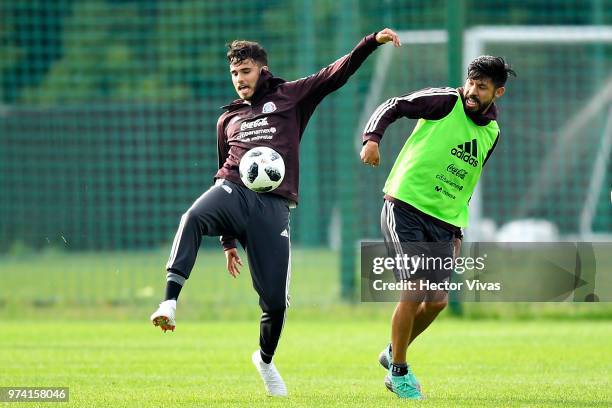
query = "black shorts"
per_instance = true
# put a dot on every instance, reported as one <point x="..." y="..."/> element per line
<point x="409" y="234"/>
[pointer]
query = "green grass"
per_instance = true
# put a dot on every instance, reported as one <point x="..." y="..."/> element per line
<point x="325" y="363"/>
<point x="102" y="283"/>
<point x="80" y="320"/>
<point x="124" y="285"/>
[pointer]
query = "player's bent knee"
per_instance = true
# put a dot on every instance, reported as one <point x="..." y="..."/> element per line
<point x="437" y="305"/>
<point x="191" y="214"/>
<point x="192" y="218"/>
<point x="187" y="216"/>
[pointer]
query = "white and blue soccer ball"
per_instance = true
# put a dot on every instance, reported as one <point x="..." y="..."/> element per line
<point x="262" y="169"/>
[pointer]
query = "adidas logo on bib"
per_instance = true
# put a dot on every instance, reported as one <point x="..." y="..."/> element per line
<point x="467" y="152"/>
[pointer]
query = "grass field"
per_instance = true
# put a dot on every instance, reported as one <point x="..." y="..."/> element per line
<point x="124" y="284"/>
<point x="325" y="363"/>
<point x="73" y="283"/>
<point x="81" y="320"/>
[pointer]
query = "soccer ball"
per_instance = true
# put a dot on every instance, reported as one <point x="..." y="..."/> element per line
<point x="262" y="169"/>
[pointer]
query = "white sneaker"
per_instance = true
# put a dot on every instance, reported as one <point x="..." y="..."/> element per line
<point x="164" y="315"/>
<point x="270" y="376"/>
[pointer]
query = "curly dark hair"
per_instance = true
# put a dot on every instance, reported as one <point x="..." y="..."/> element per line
<point x="240" y="50"/>
<point x="488" y="66"/>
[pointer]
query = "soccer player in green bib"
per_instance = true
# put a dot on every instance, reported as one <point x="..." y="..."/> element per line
<point x="428" y="190"/>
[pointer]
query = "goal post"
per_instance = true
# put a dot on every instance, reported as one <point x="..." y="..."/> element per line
<point x="476" y="40"/>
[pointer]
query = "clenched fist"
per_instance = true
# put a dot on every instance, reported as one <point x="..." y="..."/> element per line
<point x="386" y="35"/>
<point x="370" y="154"/>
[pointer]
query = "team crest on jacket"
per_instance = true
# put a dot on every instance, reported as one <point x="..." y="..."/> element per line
<point x="268" y="107"/>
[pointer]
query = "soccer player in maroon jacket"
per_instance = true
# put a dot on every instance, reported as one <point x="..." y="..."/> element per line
<point x="274" y="113"/>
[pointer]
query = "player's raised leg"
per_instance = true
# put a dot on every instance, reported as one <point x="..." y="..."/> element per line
<point x="399" y="227"/>
<point x="427" y="313"/>
<point x="400" y="378"/>
<point x="220" y="210"/>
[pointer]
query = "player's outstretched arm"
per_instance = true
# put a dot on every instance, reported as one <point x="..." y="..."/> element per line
<point x="312" y="89"/>
<point x="427" y="103"/>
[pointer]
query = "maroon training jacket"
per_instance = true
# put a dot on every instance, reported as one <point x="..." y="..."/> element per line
<point x="277" y="115"/>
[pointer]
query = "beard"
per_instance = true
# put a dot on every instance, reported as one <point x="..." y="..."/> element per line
<point x="479" y="107"/>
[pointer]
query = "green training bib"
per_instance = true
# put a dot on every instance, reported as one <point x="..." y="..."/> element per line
<point x="440" y="164"/>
